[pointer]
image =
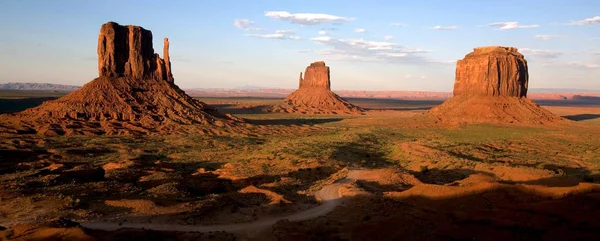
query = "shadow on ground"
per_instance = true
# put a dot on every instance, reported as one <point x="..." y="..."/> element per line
<point x="16" y="105"/>
<point x="582" y="117"/>
<point x="289" y="122"/>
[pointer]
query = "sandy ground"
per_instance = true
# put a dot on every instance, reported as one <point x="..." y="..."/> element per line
<point x="302" y="177"/>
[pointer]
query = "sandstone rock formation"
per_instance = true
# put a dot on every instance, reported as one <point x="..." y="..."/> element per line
<point x="316" y="76"/>
<point x="314" y="95"/>
<point x="134" y="94"/>
<point x="126" y="51"/>
<point x="491" y="87"/>
<point x="492" y="71"/>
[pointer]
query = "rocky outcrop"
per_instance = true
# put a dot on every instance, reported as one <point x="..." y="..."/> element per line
<point x="169" y="74"/>
<point x="134" y="94"/>
<point x="126" y="51"/>
<point x="314" y="95"/>
<point x="492" y="71"/>
<point x="316" y="76"/>
<point x="491" y="87"/>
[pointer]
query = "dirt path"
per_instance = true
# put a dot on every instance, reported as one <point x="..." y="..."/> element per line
<point x="329" y="195"/>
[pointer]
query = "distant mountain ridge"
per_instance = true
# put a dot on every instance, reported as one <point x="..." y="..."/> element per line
<point x="38" y="86"/>
<point x="561" y="90"/>
<point x="265" y="92"/>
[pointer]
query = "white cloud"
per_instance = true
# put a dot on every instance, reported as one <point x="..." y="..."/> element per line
<point x="393" y="54"/>
<point x="372" y="51"/>
<point x="306" y="18"/>
<point x="410" y="76"/>
<point x="360" y="30"/>
<point x="398" y="25"/>
<point x="587" y="21"/>
<point x="548" y="36"/>
<point x="445" y="27"/>
<point x="271" y="36"/>
<point x="544" y="54"/>
<point x="388" y="37"/>
<point x="321" y="39"/>
<point x="256" y="29"/>
<point x="242" y="23"/>
<point x="511" y="25"/>
<point x="583" y="65"/>
<point x="304" y="51"/>
<point x="323" y="32"/>
<point x="282" y="36"/>
<point x="285" y="32"/>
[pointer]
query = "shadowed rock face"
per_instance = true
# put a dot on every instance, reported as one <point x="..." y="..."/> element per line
<point x="492" y="71"/>
<point x="316" y="75"/>
<point x="126" y="51"/>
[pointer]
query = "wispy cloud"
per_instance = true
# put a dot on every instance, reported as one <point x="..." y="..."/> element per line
<point x="587" y="21"/>
<point x="246" y="24"/>
<point x="410" y="76"/>
<point x="398" y="25"/>
<point x="577" y="64"/>
<point x="445" y="28"/>
<point x="511" y="25"/>
<point x="360" y="30"/>
<point x="242" y="23"/>
<point x="285" y="32"/>
<point x="304" y="51"/>
<point x="281" y="36"/>
<point x="323" y="32"/>
<point x="256" y="29"/>
<point x="388" y="37"/>
<point x="371" y="51"/>
<point x="544" y="54"/>
<point x="548" y="36"/>
<point x="307" y="18"/>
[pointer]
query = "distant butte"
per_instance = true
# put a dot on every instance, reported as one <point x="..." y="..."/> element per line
<point x="314" y="95"/>
<point x="491" y="87"/>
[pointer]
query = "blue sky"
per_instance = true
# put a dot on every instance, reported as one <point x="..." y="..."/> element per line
<point x="369" y="45"/>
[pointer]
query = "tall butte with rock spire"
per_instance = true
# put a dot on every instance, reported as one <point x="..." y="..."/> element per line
<point x="314" y="95"/>
<point x="491" y="87"/>
<point x="135" y="93"/>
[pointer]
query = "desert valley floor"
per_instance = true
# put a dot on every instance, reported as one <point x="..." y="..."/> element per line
<point x="381" y="175"/>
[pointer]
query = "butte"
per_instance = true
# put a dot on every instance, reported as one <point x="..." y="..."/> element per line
<point x="135" y="93"/>
<point x="491" y="87"/>
<point x="314" y="95"/>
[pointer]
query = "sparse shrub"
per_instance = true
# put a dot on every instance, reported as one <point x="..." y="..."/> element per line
<point x="265" y="168"/>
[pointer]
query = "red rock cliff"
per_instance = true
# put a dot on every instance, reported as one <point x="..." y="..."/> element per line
<point x="126" y="51"/>
<point x="316" y="75"/>
<point x="492" y="71"/>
